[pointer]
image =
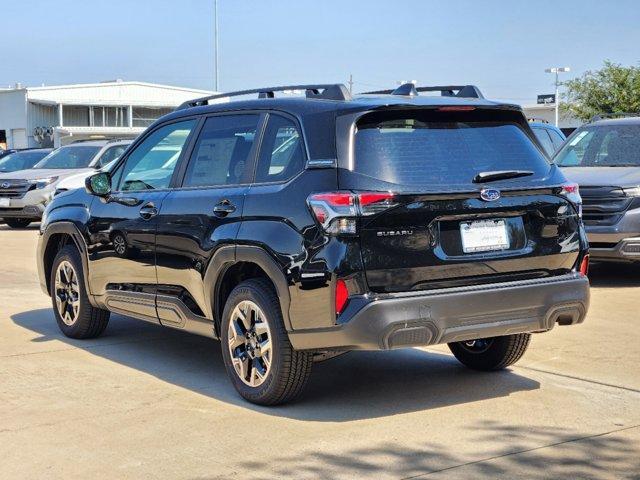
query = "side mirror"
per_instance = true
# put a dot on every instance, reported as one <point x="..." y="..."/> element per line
<point x="99" y="184"/>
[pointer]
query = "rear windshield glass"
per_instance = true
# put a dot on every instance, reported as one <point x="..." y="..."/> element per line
<point x="602" y="146"/>
<point x="416" y="151"/>
<point x="69" y="157"/>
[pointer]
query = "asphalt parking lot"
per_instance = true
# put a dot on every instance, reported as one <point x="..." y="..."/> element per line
<point x="144" y="402"/>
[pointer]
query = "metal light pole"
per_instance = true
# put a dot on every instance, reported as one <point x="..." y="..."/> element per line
<point x="557" y="70"/>
<point x="215" y="44"/>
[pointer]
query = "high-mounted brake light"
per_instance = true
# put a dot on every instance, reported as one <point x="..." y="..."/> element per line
<point x="571" y="191"/>
<point x="342" y="296"/>
<point x="337" y="211"/>
<point x="453" y="108"/>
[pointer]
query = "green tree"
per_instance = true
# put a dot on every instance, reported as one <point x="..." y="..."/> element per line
<point x="612" y="89"/>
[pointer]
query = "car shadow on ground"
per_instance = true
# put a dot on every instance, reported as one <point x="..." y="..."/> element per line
<point x="357" y="385"/>
<point x="570" y="454"/>
<point x="32" y="226"/>
<point x="614" y="275"/>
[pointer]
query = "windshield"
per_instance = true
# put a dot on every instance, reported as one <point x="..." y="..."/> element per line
<point x="21" y="160"/>
<point x="409" y="151"/>
<point x="69" y="157"/>
<point x="602" y="146"/>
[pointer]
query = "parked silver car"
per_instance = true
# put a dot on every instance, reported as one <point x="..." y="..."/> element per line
<point x="24" y="194"/>
<point x="603" y="158"/>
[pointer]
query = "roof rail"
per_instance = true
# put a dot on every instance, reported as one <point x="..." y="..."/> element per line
<point x="327" y="91"/>
<point x="604" y="116"/>
<point x="464" y="91"/>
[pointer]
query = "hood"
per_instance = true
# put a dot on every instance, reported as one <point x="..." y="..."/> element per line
<point x="603" y="176"/>
<point x="37" y="173"/>
<point x="74" y="181"/>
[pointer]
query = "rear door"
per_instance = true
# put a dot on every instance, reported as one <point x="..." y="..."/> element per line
<point x="203" y="214"/>
<point x="442" y="229"/>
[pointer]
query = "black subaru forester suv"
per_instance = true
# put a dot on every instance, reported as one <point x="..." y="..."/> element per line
<point x="297" y="228"/>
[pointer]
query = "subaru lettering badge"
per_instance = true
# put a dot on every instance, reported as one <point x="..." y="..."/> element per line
<point x="489" y="194"/>
<point x="5" y="185"/>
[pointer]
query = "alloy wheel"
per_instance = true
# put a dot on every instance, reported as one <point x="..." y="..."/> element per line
<point x="120" y="245"/>
<point x="249" y="340"/>
<point x="67" y="293"/>
<point x="477" y="346"/>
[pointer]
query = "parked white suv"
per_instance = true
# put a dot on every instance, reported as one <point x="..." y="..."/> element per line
<point x="25" y="194"/>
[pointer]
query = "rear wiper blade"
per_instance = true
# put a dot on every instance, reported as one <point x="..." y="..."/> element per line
<point x="500" y="175"/>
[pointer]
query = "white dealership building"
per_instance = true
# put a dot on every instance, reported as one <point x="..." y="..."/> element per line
<point x="57" y="115"/>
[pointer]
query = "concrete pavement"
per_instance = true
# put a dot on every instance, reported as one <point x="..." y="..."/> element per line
<point x="145" y="402"/>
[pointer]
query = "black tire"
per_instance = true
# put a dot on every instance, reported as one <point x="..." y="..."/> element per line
<point x="90" y="321"/>
<point x="289" y="370"/>
<point x="495" y="354"/>
<point x="17" y="222"/>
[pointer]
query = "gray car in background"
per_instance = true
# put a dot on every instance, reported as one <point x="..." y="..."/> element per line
<point x="24" y="194"/>
<point x="603" y="158"/>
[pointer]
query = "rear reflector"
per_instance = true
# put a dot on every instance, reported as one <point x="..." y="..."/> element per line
<point x="584" y="266"/>
<point x="342" y="295"/>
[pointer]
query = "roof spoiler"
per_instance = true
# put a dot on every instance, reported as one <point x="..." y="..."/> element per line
<point x="409" y="89"/>
<point x="329" y="91"/>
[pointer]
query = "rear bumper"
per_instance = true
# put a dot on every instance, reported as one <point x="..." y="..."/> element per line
<point x="453" y="315"/>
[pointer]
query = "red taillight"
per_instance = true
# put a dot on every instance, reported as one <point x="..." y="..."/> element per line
<point x="570" y="188"/>
<point x="335" y="199"/>
<point x="373" y="197"/>
<point x="337" y="211"/>
<point x="342" y="295"/>
<point x="571" y="191"/>
<point x="584" y="266"/>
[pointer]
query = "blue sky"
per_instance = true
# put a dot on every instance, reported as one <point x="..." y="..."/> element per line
<point x="501" y="46"/>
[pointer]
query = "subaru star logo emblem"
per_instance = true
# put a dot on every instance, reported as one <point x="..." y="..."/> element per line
<point x="489" y="194"/>
<point x="5" y="184"/>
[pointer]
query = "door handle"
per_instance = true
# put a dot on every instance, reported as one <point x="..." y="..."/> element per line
<point x="148" y="211"/>
<point x="224" y="208"/>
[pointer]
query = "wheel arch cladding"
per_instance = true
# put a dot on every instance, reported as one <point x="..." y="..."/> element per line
<point x="56" y="237"/>
<point x="250" y="262"/>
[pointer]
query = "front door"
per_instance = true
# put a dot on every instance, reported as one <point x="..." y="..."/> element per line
<point x="203" y="214"/>
<point x="122" y="229"/>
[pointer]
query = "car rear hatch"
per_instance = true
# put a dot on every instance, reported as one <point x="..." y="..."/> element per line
<point x="433" y="224"/>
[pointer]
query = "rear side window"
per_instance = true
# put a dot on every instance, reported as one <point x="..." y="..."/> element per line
<point x="221" y="154"/>
<point x="416" y="149"/>
<point x="281" y="153"/>
<point x="543" y="137"/>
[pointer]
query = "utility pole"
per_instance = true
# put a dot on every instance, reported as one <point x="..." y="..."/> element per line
<point x="557" y="70"/>
<point x="215" y="44"/>
<point x="351" y="84"/>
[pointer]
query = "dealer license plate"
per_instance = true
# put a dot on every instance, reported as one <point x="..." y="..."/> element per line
<point x="484" y="236"/>
<point x="5" y="202"/>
